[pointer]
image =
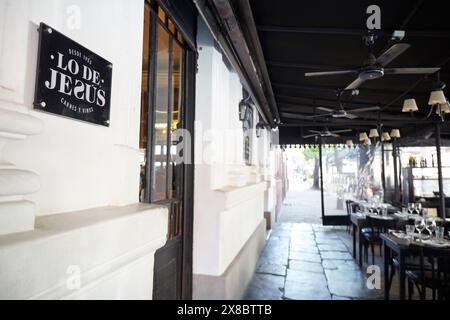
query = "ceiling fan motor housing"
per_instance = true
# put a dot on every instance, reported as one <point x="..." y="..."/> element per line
<point x="371" y="73"/>
<point x="340" y="113"/>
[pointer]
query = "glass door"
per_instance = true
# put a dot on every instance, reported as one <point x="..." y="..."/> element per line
<point x="162" y="115"/>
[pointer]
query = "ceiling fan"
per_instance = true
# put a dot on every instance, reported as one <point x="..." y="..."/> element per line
<point x="340" y="112"/>
<point x="326" y="133"/>
<point x="374" y="68"/>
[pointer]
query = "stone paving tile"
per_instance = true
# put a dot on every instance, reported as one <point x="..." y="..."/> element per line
<point x="303" y="248"/>
<point x="265" y="287"/>
<point x="348" y="265"/>
<point x="349" y="284"/>
<point x="271" y="268"/>
<point x="335" y="297"/>
<point x="328" y="241"/>
<point x="307" y="266"/>
<point x="304" y="256"/>
<point x="310" y="262"/>
<point x="274" y="258"/>
<point x="332" y="247"/>
<point x="335" y="255"/>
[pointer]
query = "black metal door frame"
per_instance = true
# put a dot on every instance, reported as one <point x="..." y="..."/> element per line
<point x="185" y="240"/>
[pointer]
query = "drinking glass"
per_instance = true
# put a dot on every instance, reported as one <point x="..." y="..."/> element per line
<point x="440" y="234"/>
<point x="410" y="208"/>
<point x="410" y="230"/>
<point x="404" y="211"/>
<point x="419" y="223"/>
<point x="417" y="207"/>
<point x="430" y="225"/>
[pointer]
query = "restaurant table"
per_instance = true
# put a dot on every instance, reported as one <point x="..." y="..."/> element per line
<point x="402" y="247"/>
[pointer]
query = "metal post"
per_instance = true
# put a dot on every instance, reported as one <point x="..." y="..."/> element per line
<point x="439" y="166"/>
<point x="383" y="174"/>
<point x="321" y="179"/>
<point x="395" y="155"/>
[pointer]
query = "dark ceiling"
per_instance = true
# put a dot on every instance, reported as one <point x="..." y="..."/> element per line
<point x="323" y="35"/>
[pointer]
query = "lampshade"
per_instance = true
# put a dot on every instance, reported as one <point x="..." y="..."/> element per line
<point x="437" y="97"/>
<point x="385" y="136"/>
<point x="367" y="142"/>
<point x="443" y="108"/>
<point x="349" y="143"/>
<point x="373" y="133"/>
<point x="409" y="105"/>
<point x="395" y="133"/>
<point x="363" y="136"/>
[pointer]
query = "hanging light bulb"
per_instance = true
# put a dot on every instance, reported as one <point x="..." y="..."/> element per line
<point x="409" y="105"/>
<point x="373" y="133"/>
<point x="363" y="136"/>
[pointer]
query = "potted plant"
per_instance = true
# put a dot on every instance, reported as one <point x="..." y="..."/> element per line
<point x="412" y="161"/>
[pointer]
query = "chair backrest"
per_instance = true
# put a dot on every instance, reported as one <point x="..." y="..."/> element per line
<point x="380" y="225"/>
<point x="348" y="204"/>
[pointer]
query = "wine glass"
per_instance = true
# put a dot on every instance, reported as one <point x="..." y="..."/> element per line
<point x="418" y="207"/>
<point x="430" y="225"/>
<point x="410" y="207"/>
<point x="419" y="223"/>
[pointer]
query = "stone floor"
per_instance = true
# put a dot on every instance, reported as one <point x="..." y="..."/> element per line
<point x="303" y="261"/>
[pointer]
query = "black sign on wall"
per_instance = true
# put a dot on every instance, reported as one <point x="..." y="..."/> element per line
<point x="71" y="80"/>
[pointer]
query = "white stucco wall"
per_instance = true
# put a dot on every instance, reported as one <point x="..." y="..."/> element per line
<point x="80" y="165"/>
<point x="228" y="195"/>
<point x="81" y="180"/>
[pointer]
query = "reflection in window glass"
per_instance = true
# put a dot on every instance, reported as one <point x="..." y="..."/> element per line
<point x="173" y="171"/>
<point x="143" y="136"/>
<point x="159" y="181"/>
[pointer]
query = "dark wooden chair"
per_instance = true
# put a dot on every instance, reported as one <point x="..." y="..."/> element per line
<point x="433" y="272"/>
<point x="350" y="208"/>
<point x="371" y="234"/>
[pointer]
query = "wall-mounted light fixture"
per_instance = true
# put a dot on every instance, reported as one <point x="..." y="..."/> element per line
<point x="243" y="105"/>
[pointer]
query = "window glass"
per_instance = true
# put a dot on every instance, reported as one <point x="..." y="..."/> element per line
<point x="160" y="130"/>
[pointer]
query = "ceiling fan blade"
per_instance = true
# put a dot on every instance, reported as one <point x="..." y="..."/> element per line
<point x="392" y="53"/>
<point x="329" y="73"/>
<point x="302" y="116"/>
<point x="310" y="136"/>
<point x="341" y="131"/>
<point x="355" y="84"/>
<point x="291" y="115"/>
<point x="315" y="131"/>
<point x="411" y="70"/>
<point x="351" y="116"/>
<point x="365" y="109"/>
<point x="325" y="109"/>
